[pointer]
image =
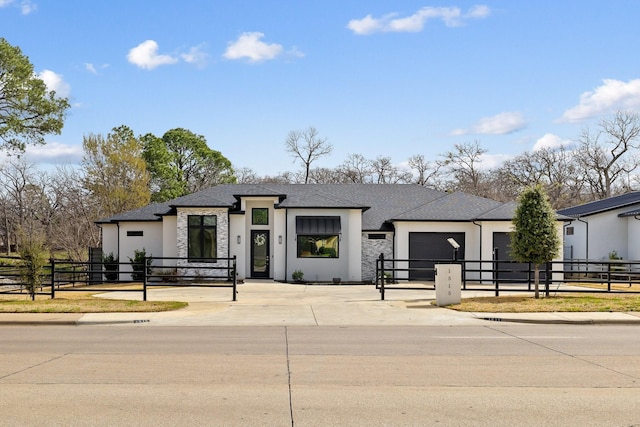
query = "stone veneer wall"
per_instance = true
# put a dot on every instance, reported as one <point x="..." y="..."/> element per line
<point x="222" y="241"/>
<point x="371" y="250"/>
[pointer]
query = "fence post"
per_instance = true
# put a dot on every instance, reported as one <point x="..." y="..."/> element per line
<point x="609" y="276"/>
<point x="547" y="277"/>
<point x="235" y="277"/>
<point x="496" y="272"/>
<point x="382" y="276"/>
<point x="144" y="278"/>
<point x="53" y="278"/>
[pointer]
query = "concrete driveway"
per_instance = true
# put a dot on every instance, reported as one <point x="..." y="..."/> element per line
<point x="266" y="303"/>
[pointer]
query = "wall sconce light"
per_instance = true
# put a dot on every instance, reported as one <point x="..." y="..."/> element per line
<point x="238" y="238"/>
<point x="280" y="240"/>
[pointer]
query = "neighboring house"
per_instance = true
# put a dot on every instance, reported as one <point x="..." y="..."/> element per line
<point x="597" y="229"/>
<point x="324" y="230"/>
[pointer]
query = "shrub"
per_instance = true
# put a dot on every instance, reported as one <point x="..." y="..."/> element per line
<point x="298" y="276"/>
<point x="111" y="266"/>
<point x="137" y="264"/>
<point x="34" y="258"/>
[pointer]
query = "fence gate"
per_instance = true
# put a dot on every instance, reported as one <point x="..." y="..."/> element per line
<point x="95" y="265"/>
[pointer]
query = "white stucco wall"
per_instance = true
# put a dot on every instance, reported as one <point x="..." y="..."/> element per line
<point x="169" y="240"/>
<point x="109" y="239"/>
<point x="347" y="266"/>
<point x="236" y="228"/>
<point x="633" y="229"/>
<point x="279" y="240"/>
<point x="606" y="233"/>
<point x="116" y="241"/>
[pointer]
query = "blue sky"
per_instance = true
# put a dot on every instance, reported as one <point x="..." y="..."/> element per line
<point x="377" y="78"/>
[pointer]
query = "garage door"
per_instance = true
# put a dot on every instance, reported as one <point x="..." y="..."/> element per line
<point x="430" y="248"/>
<point x="515" y="272"/>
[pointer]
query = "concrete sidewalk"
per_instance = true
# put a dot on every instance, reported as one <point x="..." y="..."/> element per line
<point x="265" y="303"/>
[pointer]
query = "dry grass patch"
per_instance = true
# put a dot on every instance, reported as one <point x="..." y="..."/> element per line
<point x="565" y="303"/>
<point x="81" y="301"/>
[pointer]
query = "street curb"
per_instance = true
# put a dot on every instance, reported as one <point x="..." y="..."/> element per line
<point x="563" y="321"/>
<point x="38" y="322"/>
<point x="69" y="322"/>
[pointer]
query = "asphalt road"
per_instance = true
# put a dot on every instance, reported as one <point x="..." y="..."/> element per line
<point x="499" y="374"/>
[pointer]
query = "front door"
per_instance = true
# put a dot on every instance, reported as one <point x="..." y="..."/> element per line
<point x="260" y="253"/>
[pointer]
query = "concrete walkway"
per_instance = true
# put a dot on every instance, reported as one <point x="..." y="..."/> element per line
<point x="265" y="303"/>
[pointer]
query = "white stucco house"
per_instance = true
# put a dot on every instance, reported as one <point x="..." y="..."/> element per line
<point x="326" y="231"/>
<point x="593" y="231"/>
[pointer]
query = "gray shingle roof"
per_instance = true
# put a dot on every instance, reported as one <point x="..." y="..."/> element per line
<point x="150" y="212"/>
<point x="616" y="202"/>
<point x="451" y="207"/>
<point x="380" y="203"/>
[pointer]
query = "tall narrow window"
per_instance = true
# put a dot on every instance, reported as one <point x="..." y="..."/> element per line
<point x="202" y="237"/>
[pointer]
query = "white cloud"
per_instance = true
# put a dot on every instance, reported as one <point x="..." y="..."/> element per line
<point x="26" y="7"/>
<point x="92" y="68"/>
<point x="451" y="16"/>
<point x="249" y="45"/>
<point x="611" y="95"/>
<point x="551" y="142"/>
<point x="146" y="56"/>
<point x="54" y="152"/>
<point x="55" y="82"/>
<point x="500" y="124"/>
<point x="195" y="56"/>
<point x="492" y="161"/>
<point x="479" y="11"/>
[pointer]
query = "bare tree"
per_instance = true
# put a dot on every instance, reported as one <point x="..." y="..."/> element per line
<point x="72" y="226"/>
<point x="16" y="177"/>
<point x="608" y="156"/>
<point x="307" y="146"/>
<point x="326" y="176"/>
<point x="425" y="172"/>
<point x="463" y="165"/>
<point x="356" y="169"/>
<point x="388" y="173"/>
<point x="246" y="176"/>
<point x="556" y="170"/>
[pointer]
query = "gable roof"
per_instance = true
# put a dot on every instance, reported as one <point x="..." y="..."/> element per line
<point x="381" y="204"/>
<point x="452" y="207"/>
<point x="604" y="205"/>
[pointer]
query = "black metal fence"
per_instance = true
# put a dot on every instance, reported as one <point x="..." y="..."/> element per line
<point x="72" y="276"/>
<point x="570" y="276"/>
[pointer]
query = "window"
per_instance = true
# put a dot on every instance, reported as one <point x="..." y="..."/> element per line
<point x="377" y="236"/>
<point x="317" y="246"/>
<point x="260" y="216"/>
<point x="134" y="233"/>
<point x="202" y="236"/>
<point x="318" y="236"/>
<point x="569" y="231"/>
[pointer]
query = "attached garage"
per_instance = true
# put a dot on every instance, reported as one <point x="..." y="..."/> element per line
<point x="429" y="247"/>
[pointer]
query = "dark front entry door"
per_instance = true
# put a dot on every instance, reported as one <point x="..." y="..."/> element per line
<point x="260" y="253"/>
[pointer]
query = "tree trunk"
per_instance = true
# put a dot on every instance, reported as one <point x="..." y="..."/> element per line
<point x="536" y="280"/>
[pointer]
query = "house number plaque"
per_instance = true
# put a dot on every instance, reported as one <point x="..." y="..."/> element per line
<point x="448" y="284"/>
